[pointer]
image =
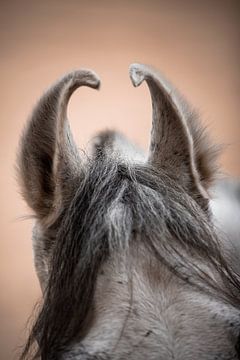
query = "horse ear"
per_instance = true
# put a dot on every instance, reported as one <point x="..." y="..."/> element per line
<point x="48" y="161"/>
<point x="178" y="145"/>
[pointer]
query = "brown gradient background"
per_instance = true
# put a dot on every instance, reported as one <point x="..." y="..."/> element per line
<point x="194" y="43"/>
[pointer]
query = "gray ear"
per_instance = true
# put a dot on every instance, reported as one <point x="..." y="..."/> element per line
<point x="48" y="159"/>
<point x="178" y="145"/>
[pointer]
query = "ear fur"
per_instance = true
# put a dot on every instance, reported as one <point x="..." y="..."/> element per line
<point x="178" y="144"/>
<point x="48" y="159"/>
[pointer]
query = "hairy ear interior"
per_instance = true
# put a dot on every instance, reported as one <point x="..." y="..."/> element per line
<point x="178" y="143"/>
<point x="48" y="159"/>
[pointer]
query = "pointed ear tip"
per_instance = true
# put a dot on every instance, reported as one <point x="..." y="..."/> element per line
<point x="136" y="74"/>
<point x="94" y="80"/>
<point x="96" y="83"/>
<point x="91" y="78"/>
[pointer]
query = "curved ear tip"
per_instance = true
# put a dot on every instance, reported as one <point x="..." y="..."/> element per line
<point x="93" y="80"/>
<point x="136" y="73"/>
<point x="88" y="76"/>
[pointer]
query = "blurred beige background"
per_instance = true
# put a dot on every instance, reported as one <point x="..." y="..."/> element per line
<point x="194" y="43"/>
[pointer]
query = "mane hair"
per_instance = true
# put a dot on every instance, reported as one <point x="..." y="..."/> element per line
<point x="116" y="206"/>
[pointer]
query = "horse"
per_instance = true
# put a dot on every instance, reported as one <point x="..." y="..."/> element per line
<point x="129" y="260"/>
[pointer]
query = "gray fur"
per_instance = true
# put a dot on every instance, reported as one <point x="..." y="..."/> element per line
<point x="125" y="249"/>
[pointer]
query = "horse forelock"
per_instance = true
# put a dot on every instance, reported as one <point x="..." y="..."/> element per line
<point x="118" y="206"/>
